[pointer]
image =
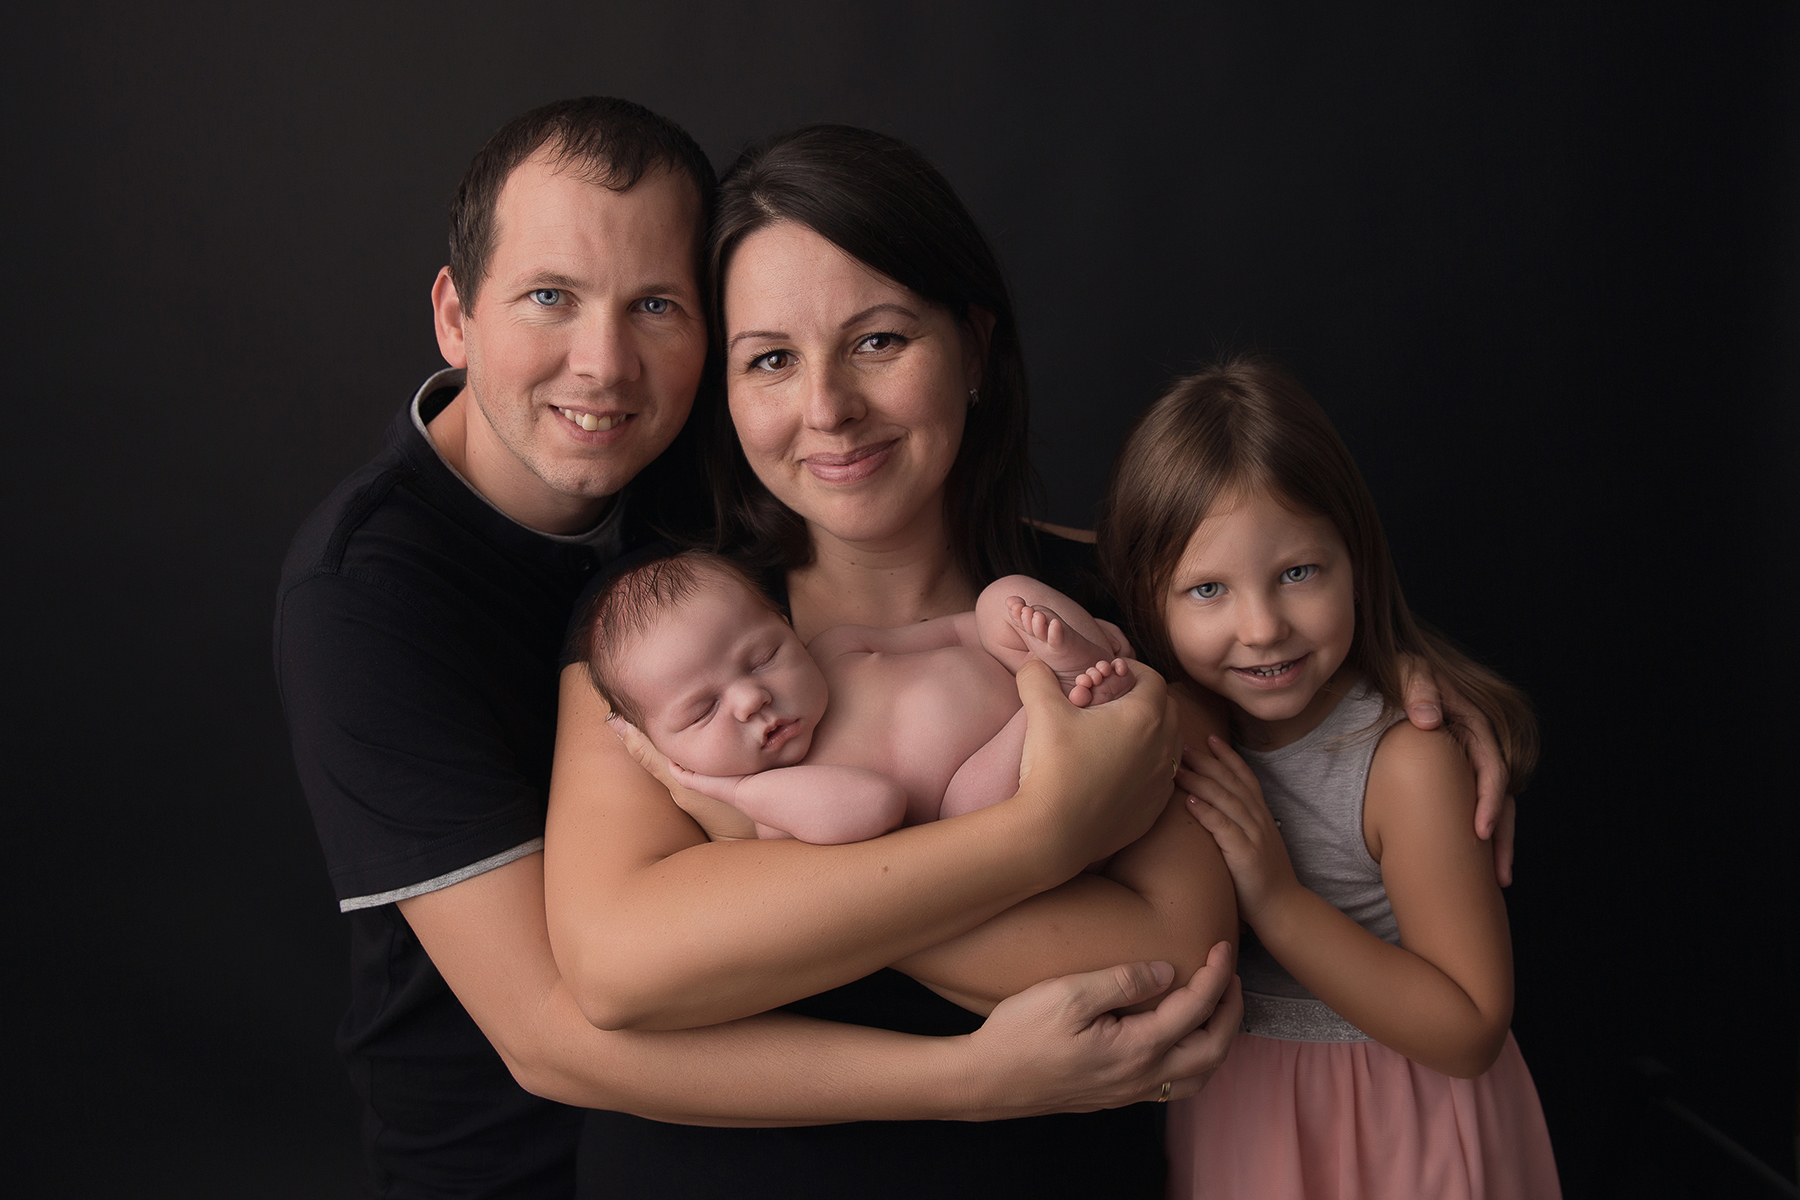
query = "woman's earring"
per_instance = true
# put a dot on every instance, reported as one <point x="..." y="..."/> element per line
<point x="974" y="397"/>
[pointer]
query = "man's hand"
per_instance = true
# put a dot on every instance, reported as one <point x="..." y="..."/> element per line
<point x="1059" y="1047"/>
<point x="1427" y="702"/>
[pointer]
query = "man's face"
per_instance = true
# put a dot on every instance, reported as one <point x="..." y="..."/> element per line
<point x="585" y="343"/>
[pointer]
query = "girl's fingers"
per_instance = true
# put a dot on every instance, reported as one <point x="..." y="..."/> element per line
<point x="1232" y="761"/>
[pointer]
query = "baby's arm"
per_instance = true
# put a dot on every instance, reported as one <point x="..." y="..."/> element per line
<point x="1443" y="997"/>
<point x="824" y="805"/>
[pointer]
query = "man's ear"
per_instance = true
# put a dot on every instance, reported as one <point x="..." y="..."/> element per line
<point x="447" y="315"/>
<point x="978" y="331"/>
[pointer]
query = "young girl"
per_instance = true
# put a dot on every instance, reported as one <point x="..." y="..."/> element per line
<point x="1375" y="1059"/>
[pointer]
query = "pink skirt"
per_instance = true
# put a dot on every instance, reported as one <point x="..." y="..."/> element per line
<point x="1356" y="1121"/>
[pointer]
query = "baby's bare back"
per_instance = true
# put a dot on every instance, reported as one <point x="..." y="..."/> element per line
<point x="915" y="717"/>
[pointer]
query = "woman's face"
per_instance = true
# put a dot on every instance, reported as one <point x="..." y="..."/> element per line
<point x="847" y="390"/>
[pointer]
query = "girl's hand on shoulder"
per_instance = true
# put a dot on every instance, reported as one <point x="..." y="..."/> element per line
<point x="1226" y="798"/>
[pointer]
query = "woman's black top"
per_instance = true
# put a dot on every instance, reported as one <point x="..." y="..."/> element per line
<point x="1117" y="1153"/>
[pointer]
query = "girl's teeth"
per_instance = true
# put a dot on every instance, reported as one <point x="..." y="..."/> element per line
<point x="589" y="421"/>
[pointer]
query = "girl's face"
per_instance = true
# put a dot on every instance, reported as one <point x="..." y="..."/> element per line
<point x="848" y="391"/>
<point x="1261" y="610"/>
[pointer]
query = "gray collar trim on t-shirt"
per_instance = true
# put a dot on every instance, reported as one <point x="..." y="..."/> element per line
<point x="604" y="531"/>
<point x="443" y="881"/>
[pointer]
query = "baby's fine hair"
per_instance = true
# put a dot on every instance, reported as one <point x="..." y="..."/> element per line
<point x="1245" y="425"/>
<point x="625" y="608"/>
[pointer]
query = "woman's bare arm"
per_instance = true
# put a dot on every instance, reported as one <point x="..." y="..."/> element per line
<point x="1166" y="896"/>
<point x="1055" y="1048"/>
<point x="654" y="927"/>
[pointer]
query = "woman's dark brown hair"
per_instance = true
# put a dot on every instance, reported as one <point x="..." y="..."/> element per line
<point x="878" y="200"/>
<point x="1247" y="426"/>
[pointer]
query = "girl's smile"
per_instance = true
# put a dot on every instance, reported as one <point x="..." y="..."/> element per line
<point x="1261" y="610"/>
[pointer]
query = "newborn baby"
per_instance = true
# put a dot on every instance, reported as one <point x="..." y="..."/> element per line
<point x="863" y="730"/>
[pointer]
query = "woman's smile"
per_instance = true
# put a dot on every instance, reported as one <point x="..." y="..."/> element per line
<point x="848" y="391"/>
<point x="852" y="466"/>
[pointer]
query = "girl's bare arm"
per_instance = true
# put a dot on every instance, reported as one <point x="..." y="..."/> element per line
<point x="1443" y="997"/>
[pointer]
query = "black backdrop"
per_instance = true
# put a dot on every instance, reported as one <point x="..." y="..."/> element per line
<point x="1539" y="260"/>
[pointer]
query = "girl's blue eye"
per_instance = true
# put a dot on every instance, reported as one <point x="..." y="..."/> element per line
<point x="548" y="297"/>
<point x="1299" y="574"/>
<point x="656" y="306"/>
<point x="1207" y="591"/>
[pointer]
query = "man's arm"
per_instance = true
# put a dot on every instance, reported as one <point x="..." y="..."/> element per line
<point x="1056" y="1048"/>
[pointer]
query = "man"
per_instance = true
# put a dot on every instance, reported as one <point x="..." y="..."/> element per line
<point x="418" y="626"/>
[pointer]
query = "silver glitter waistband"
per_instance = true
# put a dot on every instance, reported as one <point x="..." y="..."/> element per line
<point x="1294" y="1020"/>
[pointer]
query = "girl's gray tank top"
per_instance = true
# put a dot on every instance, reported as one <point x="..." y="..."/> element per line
<point x="1314" y="788"/>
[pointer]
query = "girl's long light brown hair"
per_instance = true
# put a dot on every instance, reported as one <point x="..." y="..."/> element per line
<point x="1246" y="425"/>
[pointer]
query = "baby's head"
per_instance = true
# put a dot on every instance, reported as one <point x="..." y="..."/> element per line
<point x="690" y="651"/>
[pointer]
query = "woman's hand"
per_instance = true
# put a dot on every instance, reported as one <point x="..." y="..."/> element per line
<point x="1060" y="1047"/>
<point x="710" y="809"/>
<point x="1428" y="700"/>
<point x="1105" y="772"/>
<point x="1229" y="802"/>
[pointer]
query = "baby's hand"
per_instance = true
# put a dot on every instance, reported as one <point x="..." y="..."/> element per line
<point x="1228" y="801"/>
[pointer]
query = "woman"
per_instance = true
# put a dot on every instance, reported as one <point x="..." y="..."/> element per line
<point x="874" y="468"/>
<point x="884" y="482"/>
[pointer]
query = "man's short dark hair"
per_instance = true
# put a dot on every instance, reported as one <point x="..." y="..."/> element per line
<point x="607" y="141"/>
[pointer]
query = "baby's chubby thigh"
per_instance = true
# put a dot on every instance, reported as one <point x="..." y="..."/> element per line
<point x="923" y="719"/>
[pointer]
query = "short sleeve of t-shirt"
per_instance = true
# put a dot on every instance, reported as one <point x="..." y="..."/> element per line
<point x="410" y="758"/>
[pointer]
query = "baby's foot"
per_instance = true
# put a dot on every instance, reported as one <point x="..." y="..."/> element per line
<point x="1101" y="682"/>
<point x="1064" y="650"/>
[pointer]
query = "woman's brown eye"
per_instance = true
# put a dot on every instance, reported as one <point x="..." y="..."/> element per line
<point x="774" y="360"/>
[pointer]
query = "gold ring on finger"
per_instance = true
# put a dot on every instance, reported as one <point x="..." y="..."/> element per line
<point x="1162" y="1097"/>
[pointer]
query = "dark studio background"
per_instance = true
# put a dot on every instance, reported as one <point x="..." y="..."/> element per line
<point x="1540" y="262"/>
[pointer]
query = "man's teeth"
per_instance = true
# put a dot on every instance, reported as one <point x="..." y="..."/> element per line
<point x="589" y="421"/>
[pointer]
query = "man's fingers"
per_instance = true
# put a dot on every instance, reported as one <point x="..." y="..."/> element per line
<point x="1424" y="705"/>
<point x="1504" y="832"/>
<point x="1490" y="773"/>
<point x="1198" y="1022"/>
<point x="1192" y="1060"/>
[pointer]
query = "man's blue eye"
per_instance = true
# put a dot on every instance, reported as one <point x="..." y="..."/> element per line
<point x="656" y="306"/>
<point x="1299" y="574"/>
<point x="1207" y="591"/>
<point x="548" y="297"/>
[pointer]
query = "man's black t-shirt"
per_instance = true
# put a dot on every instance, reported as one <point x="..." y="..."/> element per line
<point x="417" y="635"/>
